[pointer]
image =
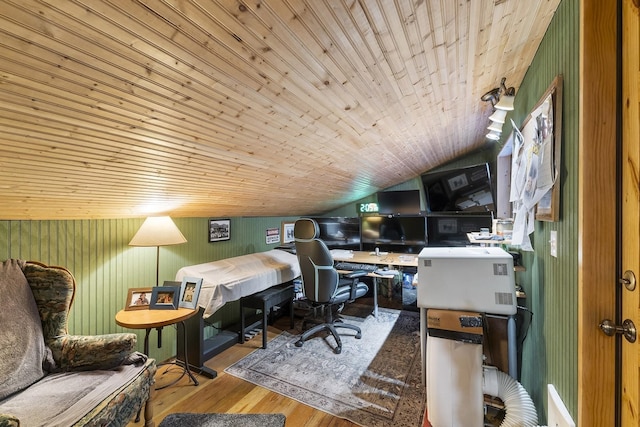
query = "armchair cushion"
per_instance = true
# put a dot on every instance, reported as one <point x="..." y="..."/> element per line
<point x="54" y="290"/>
<point x="64" y="398"/>
<point x="23" y="349"/>
<point x="83" y="352"/>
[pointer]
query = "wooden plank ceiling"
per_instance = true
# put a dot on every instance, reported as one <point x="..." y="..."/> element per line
<point x="196" y="108"/>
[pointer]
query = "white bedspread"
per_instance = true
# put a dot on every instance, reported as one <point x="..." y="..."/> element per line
<point x="232" y="278"/>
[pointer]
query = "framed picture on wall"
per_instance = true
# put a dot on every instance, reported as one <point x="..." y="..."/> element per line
<point x="219" y="229"/>
<point x="138" y="299"/>
<point x="287" y="232"/>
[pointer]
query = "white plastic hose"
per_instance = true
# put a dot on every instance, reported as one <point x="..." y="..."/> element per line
<point x="520" y="411"/>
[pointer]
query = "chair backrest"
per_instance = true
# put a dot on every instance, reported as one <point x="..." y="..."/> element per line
<point x="319" y="277"/>
<point x="54" y="290"/>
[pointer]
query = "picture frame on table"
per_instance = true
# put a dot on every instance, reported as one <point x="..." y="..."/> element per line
<point x="219" y="229"/>
<point x="164" y="297"/>
<point x="189" y="292"/>
<point x="138" y="299"/>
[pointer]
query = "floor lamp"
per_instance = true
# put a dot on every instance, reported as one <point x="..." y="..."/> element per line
<point x="158" y="231"/>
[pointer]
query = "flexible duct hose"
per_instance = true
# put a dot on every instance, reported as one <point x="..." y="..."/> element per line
<point x="520" y="411"/>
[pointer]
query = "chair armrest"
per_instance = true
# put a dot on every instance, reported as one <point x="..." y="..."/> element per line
<point x="7" y="420"/>
<point x="355" y="274"/>
<point x="89" y="352"/>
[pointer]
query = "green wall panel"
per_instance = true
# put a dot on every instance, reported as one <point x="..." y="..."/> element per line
<point x="105" y="266"/>
<point x="550" y="350"/>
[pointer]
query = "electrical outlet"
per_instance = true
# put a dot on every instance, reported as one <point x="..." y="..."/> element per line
<point x="553" y="243"/>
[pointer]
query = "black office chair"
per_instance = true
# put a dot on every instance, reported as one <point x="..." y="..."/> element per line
<point x="323" y="287"/>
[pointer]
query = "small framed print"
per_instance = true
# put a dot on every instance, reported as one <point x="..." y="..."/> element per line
<point x="219" y="229"/>
<point x="189" y="292"/>
<point x="138" y="299"/>
<point x="164" y="297"/>
<point x="287" y="232"/>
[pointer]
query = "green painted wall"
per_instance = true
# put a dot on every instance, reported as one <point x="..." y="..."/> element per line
<point x="105" y="267"/>
<point x="551" y="348"/>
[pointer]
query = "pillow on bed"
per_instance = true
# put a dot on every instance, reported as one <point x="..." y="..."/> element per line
<point x="23" y="350"/>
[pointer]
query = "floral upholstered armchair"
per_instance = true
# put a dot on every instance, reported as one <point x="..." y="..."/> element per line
<point x="48" y="377"/>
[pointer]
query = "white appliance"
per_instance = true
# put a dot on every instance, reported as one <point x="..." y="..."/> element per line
<point x="467" y="278"/>
<point x="452" y="282"/>
<point x="454" y="385"/>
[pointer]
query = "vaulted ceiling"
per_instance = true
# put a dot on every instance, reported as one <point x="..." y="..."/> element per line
<point x="201" y="108"/>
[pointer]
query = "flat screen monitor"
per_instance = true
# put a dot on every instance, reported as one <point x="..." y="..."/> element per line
<point x="451" y="230"/>
<point x="466" y="189"/>
<point x="339" y="232"/>
<point x="406" y="230"/>
<point x="405" y="202"/>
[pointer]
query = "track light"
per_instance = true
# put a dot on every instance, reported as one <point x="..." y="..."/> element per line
<point x="505" y="103"/>
<point x="501" y="99"/>
<point x="497" y="127"/>
<point x="498" y="116"/>
<point x="493" y="135"/>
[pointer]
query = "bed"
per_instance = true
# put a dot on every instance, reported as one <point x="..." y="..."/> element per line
<point x="232" y="278"/>
<point x="223" y="281"/>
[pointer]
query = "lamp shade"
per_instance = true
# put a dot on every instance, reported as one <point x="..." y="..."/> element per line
<point x="157" y="231"/>
<point x="505" y="103"/>
<point x="498" y="116"/>
<point x="493" y="135"/>
<point x="497" y="127"/>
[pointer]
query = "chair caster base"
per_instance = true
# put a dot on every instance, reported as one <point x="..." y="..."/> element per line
<point x="337" y="350"/>
<point x="358" y="335"/>
<point x="299" y="343"/>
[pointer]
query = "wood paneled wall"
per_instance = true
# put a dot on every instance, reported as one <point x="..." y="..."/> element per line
<point x="105" y="267"/>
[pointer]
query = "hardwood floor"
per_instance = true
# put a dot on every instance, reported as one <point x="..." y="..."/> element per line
<point x="228" y="394"/>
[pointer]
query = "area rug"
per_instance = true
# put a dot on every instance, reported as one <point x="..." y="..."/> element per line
<point x="375" y="381"/>
<point x="223" y="420"/>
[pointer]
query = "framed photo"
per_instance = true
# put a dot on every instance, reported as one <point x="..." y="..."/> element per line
<point x="219" y="229"/>
<point x="189" y="292"/>
<point x="287" y="232"/>
<point x="138" y="299"/>
<point x="458" y="182"/>
<point x="164" y="297"/>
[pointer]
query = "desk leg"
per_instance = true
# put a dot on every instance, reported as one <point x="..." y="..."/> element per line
<point x="375" y="297"/>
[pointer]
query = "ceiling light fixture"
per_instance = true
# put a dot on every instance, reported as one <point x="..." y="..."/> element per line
<point x="499" y="116"/>
<point x="501" y="99"/>
<point x="497" y="127"/>
<point x="493" y="135"/>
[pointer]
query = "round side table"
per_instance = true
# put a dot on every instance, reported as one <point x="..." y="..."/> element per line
<point x="149" y="319"/>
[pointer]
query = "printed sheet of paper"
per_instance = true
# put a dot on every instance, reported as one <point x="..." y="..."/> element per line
<point x="532" y="170"/>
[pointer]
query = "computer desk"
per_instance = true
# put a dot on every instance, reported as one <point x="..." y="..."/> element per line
<point x="384" y="259"/>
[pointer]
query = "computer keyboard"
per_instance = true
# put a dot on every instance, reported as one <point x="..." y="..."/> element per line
<point x="354" y="266"/>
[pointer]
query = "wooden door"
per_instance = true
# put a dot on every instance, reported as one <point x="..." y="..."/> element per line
<point x="630" y="231"/>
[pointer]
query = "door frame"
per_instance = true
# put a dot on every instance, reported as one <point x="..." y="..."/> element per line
<point x="597" y="211"/>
